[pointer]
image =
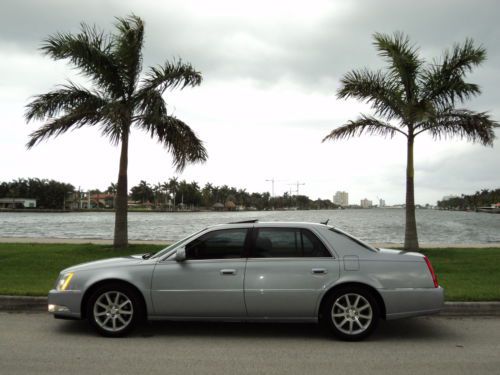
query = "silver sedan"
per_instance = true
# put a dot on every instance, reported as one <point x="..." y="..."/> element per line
<point x="251" y="271"/>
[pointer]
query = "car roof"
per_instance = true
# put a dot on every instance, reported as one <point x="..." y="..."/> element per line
<point x="268" y="224"/>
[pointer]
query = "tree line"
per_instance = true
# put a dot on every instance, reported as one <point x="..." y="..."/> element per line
<point x="49" y="194"/>
<point x="483" y="198"/>
<point x="171" y="194"/>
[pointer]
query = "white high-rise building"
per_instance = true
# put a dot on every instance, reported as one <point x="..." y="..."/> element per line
<point x="341" y="198"/>
<point x="365" y="203"/>
<point x="381" y="203"/>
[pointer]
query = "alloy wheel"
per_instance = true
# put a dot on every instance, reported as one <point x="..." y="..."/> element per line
<point x="352" y="314"/>
<point x="113" y="311"/>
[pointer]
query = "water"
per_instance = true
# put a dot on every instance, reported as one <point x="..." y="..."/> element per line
<point x="375" y="225"/>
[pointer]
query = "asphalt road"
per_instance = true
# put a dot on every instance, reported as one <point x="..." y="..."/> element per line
<point x="38" y="344"/>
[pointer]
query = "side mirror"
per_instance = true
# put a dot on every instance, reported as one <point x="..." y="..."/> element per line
<point x="180" y="254"/>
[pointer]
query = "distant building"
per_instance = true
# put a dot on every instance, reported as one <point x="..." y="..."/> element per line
<point x="365" y="203"/>
<point x="446" y="197"/>
<point x="17" y="203"/>
<point x="341" y="198"/>
<point x="381" y="203"/>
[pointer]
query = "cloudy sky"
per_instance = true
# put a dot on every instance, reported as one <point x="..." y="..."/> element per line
<point x="271" y="69"/>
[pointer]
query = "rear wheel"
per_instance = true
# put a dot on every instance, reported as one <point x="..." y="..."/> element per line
<point x="114" y="309"/>
<point x="350" y="313"/>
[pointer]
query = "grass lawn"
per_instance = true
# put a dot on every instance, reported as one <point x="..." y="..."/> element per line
<point x="467" y="274"/>
<point x="31" y="269"/>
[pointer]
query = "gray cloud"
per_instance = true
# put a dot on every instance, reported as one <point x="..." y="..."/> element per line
<point x="312" y="54"/>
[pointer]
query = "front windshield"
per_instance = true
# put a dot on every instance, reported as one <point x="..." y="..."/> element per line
<point x="176" y="244"/>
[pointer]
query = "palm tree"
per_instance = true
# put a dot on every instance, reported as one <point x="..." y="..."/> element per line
<point x="174" y="186"/>
<point x="411" y="98"/>
<point x="112" y="190"/>
<point x="118" y="100"/>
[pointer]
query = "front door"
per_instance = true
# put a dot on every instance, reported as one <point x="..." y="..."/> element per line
<point x="209" y="283"/>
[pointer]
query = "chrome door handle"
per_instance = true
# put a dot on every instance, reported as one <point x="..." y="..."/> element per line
<point x="318" y="271"/>
<point x="227" y="272"/>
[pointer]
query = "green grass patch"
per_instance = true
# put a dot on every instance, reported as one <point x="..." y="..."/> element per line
<point x="31" y="269"/>
<point x="469" y="274"/>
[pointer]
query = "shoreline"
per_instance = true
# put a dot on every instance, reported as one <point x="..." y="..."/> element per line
<point x="97" y="241"/>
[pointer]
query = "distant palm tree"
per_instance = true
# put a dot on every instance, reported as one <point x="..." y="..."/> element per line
<point x="173" y="185"/>
<point x="413" y="98"/>
<point x="119" y="99"/>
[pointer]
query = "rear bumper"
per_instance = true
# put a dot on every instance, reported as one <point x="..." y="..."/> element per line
<point x="65" y="305"/>
<point x="403" y="303"/>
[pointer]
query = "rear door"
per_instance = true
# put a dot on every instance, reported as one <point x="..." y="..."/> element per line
<point x="209" y="283"/>
<point x="286" y="272"/>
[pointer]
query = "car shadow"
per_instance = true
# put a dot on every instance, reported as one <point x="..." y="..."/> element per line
<point x="414" y="329"/>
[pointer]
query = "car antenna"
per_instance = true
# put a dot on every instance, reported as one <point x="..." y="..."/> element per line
<point x="325" y="222"/>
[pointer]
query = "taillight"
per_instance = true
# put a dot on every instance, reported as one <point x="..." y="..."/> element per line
<point x="431" y="270"/>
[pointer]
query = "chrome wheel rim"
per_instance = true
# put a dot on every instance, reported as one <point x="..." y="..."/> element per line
<point x="352" y="314"/>
<point x="113" y="311"/>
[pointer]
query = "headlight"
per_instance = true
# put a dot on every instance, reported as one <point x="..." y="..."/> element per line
<point x="64" y="281"/>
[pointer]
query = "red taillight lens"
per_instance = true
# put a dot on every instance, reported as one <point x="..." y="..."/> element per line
<point x="431" y="270"/>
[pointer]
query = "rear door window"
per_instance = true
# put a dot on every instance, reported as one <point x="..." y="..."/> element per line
<point x="287" y="243"/>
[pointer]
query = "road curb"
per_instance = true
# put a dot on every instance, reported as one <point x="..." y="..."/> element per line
<point x="27" y="304"/>
<point x="471" y="309"/>
<point x="23" y="303"/>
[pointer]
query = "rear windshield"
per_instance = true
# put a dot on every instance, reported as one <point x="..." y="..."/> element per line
<point x="341" y="240"/>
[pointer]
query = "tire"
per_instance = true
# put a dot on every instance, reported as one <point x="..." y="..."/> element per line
<point x="350" y="313"/>
<point x="114" y="309"/>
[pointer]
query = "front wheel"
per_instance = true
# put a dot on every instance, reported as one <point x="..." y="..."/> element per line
<point x="350" y="313"/>
<point x="114" y="310"/>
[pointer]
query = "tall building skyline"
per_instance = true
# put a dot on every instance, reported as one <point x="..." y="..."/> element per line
<point x="366" y="203"/>
<point x="341" y="198"/>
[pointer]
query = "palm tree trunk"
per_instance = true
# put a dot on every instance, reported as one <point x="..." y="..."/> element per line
<point x="411" y="238"/>
<point x="121" y="230"/>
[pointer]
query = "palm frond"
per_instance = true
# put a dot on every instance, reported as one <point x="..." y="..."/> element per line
<point x="58" y="126"/>
<point x="150" y="103"/>
<point x="403" y="59"/>
<point x="363" y="125"/>
<point x="171" y="75"/>
<point x="375" y="88"/>
<point x="177" y="138"/>
<point x="114" y="121"/>
<point x="443" y="82"/>
<point x="462" y="123"/>
<point x="67" y="98"/>
<point x="128" y="49"/>
<point x="90" y="51"/>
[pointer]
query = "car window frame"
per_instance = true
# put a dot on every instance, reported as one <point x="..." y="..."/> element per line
<point x="244" y="253"/>
<point x="255" y="232"/>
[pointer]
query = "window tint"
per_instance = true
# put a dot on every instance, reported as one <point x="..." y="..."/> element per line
<point x="288" y="243"/>
<point x="221" y="244"/>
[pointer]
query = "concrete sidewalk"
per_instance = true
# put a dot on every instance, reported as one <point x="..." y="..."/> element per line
<point x="33" y="304"/>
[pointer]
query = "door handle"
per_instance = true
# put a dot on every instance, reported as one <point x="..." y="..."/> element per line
<point x="319" y="271"/>
<point x="226" y="272"/>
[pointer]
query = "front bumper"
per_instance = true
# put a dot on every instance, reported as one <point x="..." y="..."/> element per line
<point x="65" y="304"/>
<point x="403" y="303"/>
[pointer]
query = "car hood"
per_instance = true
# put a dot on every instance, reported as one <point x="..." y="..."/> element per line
<point x="106" y="263"/>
